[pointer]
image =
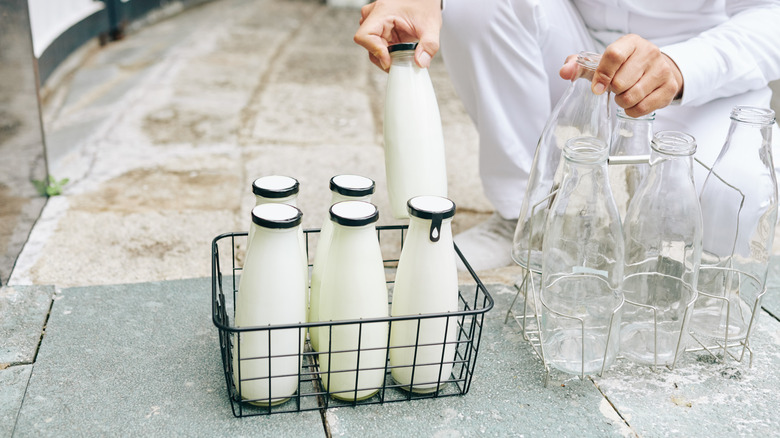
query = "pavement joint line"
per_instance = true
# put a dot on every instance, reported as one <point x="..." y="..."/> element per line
<point x="26" y="387"/>
<point x="617" y="411"/>
<point x="776" y="317"/>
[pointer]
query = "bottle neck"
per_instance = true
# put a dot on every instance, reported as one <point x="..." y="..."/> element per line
<point x="403" y="58"/>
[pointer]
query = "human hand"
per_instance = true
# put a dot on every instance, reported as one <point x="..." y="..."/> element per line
<point x="386" y="22"/>
<point x="642" y="77"/>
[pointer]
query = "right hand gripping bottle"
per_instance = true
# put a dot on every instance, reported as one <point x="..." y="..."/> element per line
<point x="343" y="188"/>
<point x="271" y="292"/>
<point x="414" y="145"/>
<point x="353" y="356"/>
<point x="582" y="267"/>
<point x="422" y="351"/>
<point x="579" y="112"/>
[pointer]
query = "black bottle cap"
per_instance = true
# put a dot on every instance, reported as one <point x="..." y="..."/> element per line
<point x="435" y="208"/>
<point x="354" y="213"/>
<point x="276" y="215"/>
<point x="401" y="46"/>
<point x="275" y="186"/>
<point x="352" y="185"/>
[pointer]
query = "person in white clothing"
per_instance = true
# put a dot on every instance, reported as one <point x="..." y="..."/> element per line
<point x="690" y="61"/>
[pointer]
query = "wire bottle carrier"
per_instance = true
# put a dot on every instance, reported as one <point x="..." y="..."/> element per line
<point x="311" y="394"/>
<point x="742" y="303"/>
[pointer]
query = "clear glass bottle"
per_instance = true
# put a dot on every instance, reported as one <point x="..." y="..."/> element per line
<point x="414" y="145"/>
<point x="353" y="356"/>
<point x="662" y="233"/>
<point x="582" y="267"/>
<point x="426" y="282"/>
<point x="739" y="207"/>
<point x="631" y="140"/>
<point x="579" y="112"/>
<point x="271" y="292"/>
<point x="342" y="188"/>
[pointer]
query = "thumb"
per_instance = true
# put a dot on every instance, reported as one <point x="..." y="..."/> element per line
<point x="426" y="49"/>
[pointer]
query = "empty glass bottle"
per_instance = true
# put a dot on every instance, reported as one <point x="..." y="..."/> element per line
<point x="582" y="267"/>
<point x="631" y="139"/>
<point x="739" y="207"/>
<point x="662" y="233"/>
<point x="579" y="112"/>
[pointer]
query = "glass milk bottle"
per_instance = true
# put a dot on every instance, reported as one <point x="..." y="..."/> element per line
<point x="271" y="292"/>
<point x="739" y="208"/>
<point x="353" y="287"/>
<point x="582" y="267"/>
<point x="414" y="144"/>
<point x="628" y="152"/>
<point x="662" y="232"/>
<point x="426" y="282"/>
<point x="343" y="188"/>
<point x="579" y="112"/>
<point x="276" y="189"/>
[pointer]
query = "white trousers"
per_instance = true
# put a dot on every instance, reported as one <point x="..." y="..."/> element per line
<point x="503" y="57"/>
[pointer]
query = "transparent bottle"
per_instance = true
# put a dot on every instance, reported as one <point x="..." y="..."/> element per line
<point x="662" y="233"/>
<point x="739" y="208"/>
<point x="342" y="188"/>
<point x="579" y="112"/>
<point x="414" y="145"/>
<point x="422" y="351"/>
<point x="353" y="356"/>
<point x="266" y="363"/>
<point x="582" y="267"/>
<point x="631" y="139"/>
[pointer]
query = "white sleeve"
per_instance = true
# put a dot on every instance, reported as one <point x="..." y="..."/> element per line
<point x="739" y="55"/>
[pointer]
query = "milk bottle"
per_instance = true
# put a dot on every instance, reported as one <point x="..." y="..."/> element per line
<point x="353" y="287"/>
<point x="343" y="188"/>
<point x="426" y="282"/>
<point x="414" y="145"/>
<point x="271" y="291"/>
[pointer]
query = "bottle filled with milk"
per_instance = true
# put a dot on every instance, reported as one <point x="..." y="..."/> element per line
<point x="414" y="144"/>
<point x="422" y="351"/>
<point x="342" y="188"/>
<point x="353" y="356"/>
<point x="272" y="291"/>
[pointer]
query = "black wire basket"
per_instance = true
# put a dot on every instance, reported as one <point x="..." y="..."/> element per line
<point x="311" y="394"/>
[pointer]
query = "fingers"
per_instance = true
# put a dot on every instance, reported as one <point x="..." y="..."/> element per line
<point x="427" y="47"/>
<point x="642" y="78"/>
<point x="569" y="69"/>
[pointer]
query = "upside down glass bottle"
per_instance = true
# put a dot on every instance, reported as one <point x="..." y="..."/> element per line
<point x="662" y="232"/>
<point x="579" y="112"/>
<point x="582" y="267"/>
<point x="739" y="207"/>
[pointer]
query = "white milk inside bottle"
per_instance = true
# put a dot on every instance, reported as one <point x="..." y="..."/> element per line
<point x="414" y="146"/>
<point x="343" y="188"/>
<point x="271" y="291"/>
<point x="353" y="287"/>
<point x="426" y="282"/>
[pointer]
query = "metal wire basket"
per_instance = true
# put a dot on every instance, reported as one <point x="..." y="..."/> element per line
<point x="311" y="394"/>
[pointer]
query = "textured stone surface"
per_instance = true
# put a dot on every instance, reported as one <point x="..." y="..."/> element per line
<point x="13" y="383"/>
<point x="138" y="360"/>
<point x="23" y="312"/>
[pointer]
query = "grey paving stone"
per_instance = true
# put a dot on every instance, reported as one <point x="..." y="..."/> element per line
<point x="507" y="397"/>
<point x="13" y="382"/>
<point x="138" y="360"/>
<point x="23" y="310"/>
<point x="702" y="397"/>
